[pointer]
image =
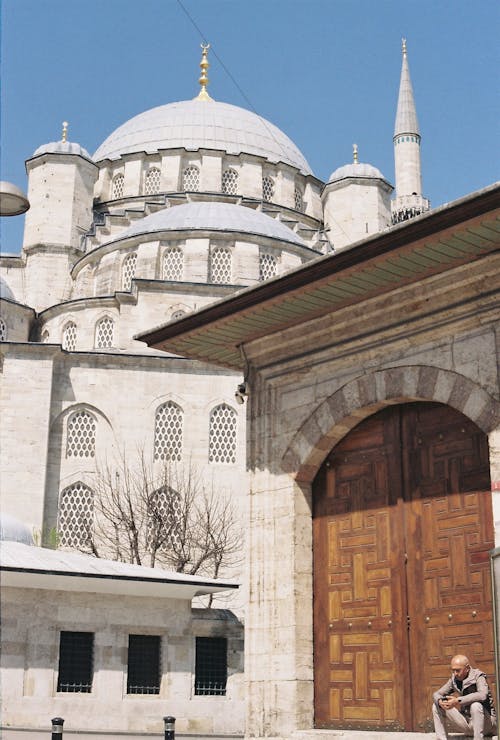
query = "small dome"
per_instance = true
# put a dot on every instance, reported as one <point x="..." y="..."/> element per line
<point x="5" y="291"/>
<point x="208" y="216"/>
<point x="198" y="124"/>
<point x="62" y="147"/>
<point x="356" y="169"/>
<point x="12" y="530"/>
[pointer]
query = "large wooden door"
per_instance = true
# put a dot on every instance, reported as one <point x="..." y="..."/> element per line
<point x="402" y="532"/>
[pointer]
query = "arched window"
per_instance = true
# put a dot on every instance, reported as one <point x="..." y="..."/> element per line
<point x="267" y="188"/>
<point x="220" y="265"/>
<point x="45" y="336"/>
<point x="128" y="270"/>
<point x="69" y="336"/>
<point x="299" y="200"/>
<point x="81" y="432"/>
<point x="267" y="266"/>
<point x="169" y="421"/>
<point x="3" y="330"/>
<point x="118" y="183"/>
<point x="152" y="181"/>
<point x="173" y="264"/>
<point x="76" y="516"/>
<point x="177" y="314"/>
<point x="230" y="181"/>
<point x="104" y="333"/>
<point x="191" y="179"/>
<point x="222" y="435"/>
<point x="164" y="518"/>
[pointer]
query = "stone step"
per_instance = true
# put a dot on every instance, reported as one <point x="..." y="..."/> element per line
<point x="370" y="735"/>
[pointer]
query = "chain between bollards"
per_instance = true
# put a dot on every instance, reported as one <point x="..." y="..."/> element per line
<point x="169" y="728"/>
<point x="57" y="728"/>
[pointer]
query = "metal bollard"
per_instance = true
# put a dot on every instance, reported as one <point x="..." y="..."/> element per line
<point x="57" y="728"/>
<point x="169" y="728"/>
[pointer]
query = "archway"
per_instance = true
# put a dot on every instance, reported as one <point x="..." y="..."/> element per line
<point x="402" y="528"/>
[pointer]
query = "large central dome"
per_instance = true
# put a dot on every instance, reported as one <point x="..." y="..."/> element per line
<point x="201" y="124"/>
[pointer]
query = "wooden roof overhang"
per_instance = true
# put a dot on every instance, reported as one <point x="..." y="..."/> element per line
<point x="450" y="236"/>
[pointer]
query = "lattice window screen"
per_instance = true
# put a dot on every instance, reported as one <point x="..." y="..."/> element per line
<point x="191" y="179"/>
<point x="173" y="264"/>
<point x="128" y="270"/>
<point x="81" y="434"/>
<point x="164" y="518"/>
<point x="267" y="188"/>
<point x="299" y="201"/>
<point x="3" y="330"/>
<point x="267" y="266"/>
<point x="169" y="423"/>
<point x="76" y="516"/>
<point x="222" y="435"/>
<point x="220" y="265"/>
<point x="69" y="337"/>
<point x="118" y="185"/>
<point x="152" y="181"/>
<point x="104" y="334"/>
<point x="230" y="182"/>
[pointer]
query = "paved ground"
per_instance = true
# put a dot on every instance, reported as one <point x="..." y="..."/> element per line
<point x="7" y="734"/>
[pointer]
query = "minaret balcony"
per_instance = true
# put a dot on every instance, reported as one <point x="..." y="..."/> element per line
<point x="405" y="207"/>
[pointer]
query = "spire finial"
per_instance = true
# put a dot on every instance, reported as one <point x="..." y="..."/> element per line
<point x="403" y="46"/>
<point x="203" y="80"/>
<point x="355" y="153"/>
<point x="64" y="132"/>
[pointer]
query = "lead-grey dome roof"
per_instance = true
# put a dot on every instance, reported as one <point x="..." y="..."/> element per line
<point x="62" y="147"/>
<point x="356" y="169"/>
<point x="201" y="124"/>
<point x="208" y="216"/>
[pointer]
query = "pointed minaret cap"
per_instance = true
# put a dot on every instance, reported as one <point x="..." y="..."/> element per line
<point x="406" y="114"/>
<point x="203" y="80"/>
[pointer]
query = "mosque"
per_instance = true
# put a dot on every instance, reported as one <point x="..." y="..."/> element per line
<point x="195" y="222"/>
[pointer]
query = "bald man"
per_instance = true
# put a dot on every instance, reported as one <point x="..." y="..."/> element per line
<point x="464" y="703"/>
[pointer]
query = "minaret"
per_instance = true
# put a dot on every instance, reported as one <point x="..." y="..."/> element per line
<point x="409" y="201"/>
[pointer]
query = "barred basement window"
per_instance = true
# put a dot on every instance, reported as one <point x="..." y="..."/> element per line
<point x="3" y="330"/>
<point x="169" y="422"/>
<point x="76" y="516"/>
<point x="69" y="337"/>
<point x="81" y="435"/>
<point x="152" y="181"/>
<point x="76" y="653"/>
<point x="173" y="264"/>
<point x="222" y="435"/>
<point x="211" y="666"/>
<point x="191" y="179"/>
<point x="299" y="201"/>
<point x="230" y="182"/>
<point x="143" y="664"/>
<point x="164" y="516"/>
<point x="118" y="184"/>
<point x="104" y="333"/>
<point x="267" y="188"/>
<point x="128" y="270"/>
<point x="267" y="266"/>
<point x="220" y="265"/>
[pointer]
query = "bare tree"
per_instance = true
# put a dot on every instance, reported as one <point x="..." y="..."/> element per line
<point x="170" y="517"/>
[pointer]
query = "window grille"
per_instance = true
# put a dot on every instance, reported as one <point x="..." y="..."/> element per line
<point x="299" y="201"/>
<point x="104" y="333"/>
<point x="169" y="422"/>
<point x="173" y="264"/>
<point x="211" y="666"/>
<point x="164" y="518"/>
<point x="152" y="181"/>
<point x="76" y="516"/>
<point x="143" y="665"/>
<point x="191" y="179"/>
<point x="118" y="184"/>
<point x="128" y="271"/>
<point x="222" y="435"/>
<point x="230" y="182"/>
<point x="220" y="265"/>
<point x="76" y="652"/>
<point x="69" y="337"/>
<point x="81" y="435"/>
<point x="3" y="330"/>
<point x="267" y="188"/>
<point x="267" y="266"/>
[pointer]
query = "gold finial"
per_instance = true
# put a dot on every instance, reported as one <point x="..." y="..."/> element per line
<point x="355" y="153"/>
<point x="204" y="65"/>
<point x="64" y="132"/>
<point x="403" y="46"/>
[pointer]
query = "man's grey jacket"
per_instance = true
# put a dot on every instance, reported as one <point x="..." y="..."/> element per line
<point x="474" y="688"/>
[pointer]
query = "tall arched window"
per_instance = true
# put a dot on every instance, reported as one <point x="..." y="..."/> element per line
<point x="3" y="330"/>
<point x="152" y="181"/>
<point x="222" y="435"/>
<point x="76" y="516"/>
<point x="81" y="433"/>
<point x="267" y="188"/>
<point x="230" y="181"/>
<point x="191" y="179"/>
<point x="299" y="200"/>
<point x="169" y="422"/>
<point x="104" y="333"/>
<point x="220" y="265"/>
<point x="164" y="518"/>
<point x="128" y="270"/>
<point x="267" y="266"/>
<point x="173" y="264"/>
<point x="69" y="336"/>
<point x="118" y="184"/>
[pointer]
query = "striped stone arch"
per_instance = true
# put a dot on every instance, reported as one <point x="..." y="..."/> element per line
<point x="365" y="395"/>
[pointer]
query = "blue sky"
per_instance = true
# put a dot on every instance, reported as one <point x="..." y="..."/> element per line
<point x="324" y="71"/>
